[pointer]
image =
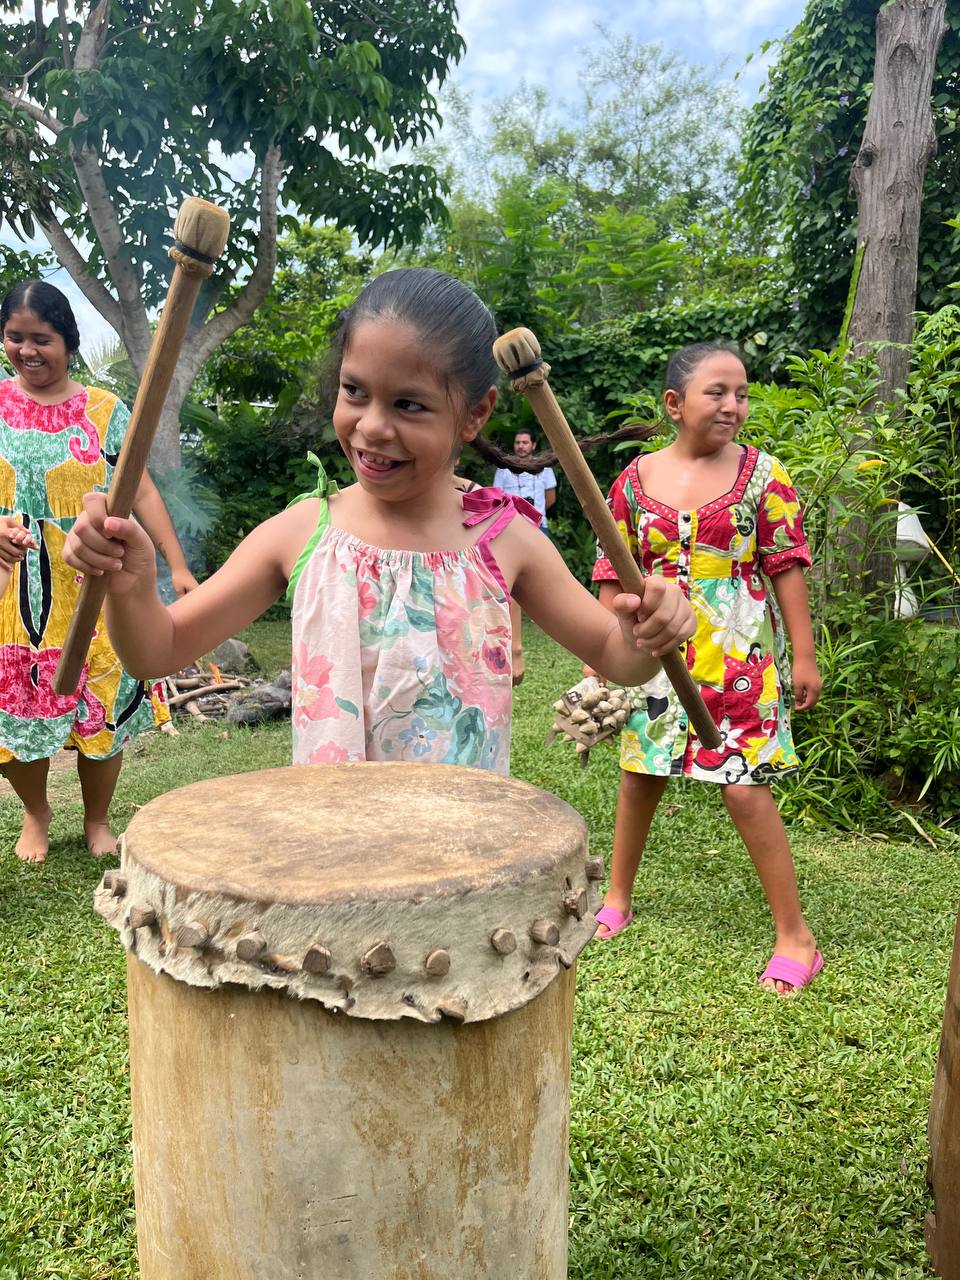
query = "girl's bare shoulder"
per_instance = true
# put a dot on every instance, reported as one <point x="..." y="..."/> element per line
<point x="284" y="535"/>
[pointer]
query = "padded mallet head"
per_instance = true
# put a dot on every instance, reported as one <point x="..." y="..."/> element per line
<point x="516" y="350"/>
<point x="518" y="355"/>
<point x="200" y="235"/>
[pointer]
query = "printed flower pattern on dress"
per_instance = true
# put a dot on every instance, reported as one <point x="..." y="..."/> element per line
<point x="403" y="655"/>
<point x="720" y="555"/>
<point x="50" y="456"/>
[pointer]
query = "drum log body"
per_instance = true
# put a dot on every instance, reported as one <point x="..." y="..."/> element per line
<point x="350" y="997"/>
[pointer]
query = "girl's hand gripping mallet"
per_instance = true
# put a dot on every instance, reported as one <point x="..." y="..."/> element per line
<point x="518" y="354"/>
<point x="200" y="234"/>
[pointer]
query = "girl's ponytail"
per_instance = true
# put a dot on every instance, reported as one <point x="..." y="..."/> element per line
<point x="535" y="463"/>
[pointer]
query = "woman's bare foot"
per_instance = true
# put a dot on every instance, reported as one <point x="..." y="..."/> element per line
<point x="34" y="838"/>
<point x="101" y="841"/>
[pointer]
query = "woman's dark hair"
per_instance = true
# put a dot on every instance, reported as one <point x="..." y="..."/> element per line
<point x="683" y="363"/>
<point x="46" y="301"/>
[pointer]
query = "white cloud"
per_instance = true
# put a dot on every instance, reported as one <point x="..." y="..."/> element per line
<point x="544" y="43"/>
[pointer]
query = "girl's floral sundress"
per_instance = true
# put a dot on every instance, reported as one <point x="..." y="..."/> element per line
<point x="50" y="456"/>
<point x="720" y="554"/>
<point x="403" y="655"/>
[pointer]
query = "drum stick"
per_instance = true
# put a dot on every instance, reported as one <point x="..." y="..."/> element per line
<point x="518" y="354"/>
<point x="200" y="235"/>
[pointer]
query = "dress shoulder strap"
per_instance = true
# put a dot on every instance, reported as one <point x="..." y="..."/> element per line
<point x="325" y="486"/>
<point x="480" y="505"/>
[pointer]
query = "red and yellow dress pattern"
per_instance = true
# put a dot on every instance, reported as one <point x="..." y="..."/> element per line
<point x="720" y="555"/>
<point x="50" y="456"/>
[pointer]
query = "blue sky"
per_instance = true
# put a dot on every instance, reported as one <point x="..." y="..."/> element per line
<point x="543" y="43"/>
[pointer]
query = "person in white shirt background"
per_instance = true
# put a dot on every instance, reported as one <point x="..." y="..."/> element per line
<point x="539" y="489"/>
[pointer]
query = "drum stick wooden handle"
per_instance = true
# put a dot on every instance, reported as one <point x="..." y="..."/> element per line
<point x="200" y="233"/>
<point x="518" y="353"/>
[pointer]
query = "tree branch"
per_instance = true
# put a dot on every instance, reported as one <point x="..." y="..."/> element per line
<point x="30" y="109"/>
<point x="134" y="326"/>
<point x="36" y="46"/>
<point x="79" y="272"/>
<point x="25" y="82"/>
<point x="224" y="323"/>
<point x="118" y="35"/>
<point x="64" y="27"/>
<point x="90" y="44"/>
<point x="100" y="209"/>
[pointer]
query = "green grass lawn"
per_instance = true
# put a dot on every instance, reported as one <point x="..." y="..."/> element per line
<point x="716" y="1131"/>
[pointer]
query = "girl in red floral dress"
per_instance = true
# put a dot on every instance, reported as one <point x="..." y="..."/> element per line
<point x="723" y="520"/>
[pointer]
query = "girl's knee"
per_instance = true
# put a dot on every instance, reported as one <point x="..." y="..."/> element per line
<point x="752" y="799"/>
<point x="643" y="784"/>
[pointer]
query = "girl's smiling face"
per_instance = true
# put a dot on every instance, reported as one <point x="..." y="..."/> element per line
<point x="396" y="419"/>
<point x="37" y="352"/>
<point x="713" y="405"/>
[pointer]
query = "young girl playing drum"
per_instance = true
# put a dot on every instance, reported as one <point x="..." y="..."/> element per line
<point x="400" y="584"/>
<point x="722" y="519"/>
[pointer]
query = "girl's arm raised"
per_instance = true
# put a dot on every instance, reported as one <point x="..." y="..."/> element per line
<point x="623" y="645"/>
<point x="152" y="640"/>
<point x="790" y="588"/>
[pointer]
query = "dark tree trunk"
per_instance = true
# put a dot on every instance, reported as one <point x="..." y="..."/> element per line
<point x="887" y="176"/>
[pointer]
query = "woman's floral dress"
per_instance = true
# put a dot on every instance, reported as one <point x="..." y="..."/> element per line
<point x="403" y="655"/>
<point x="720" y="554"/>
<point x="50" y="456"/>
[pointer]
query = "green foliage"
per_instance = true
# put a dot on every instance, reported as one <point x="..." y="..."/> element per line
<point x="882" y="747"/>
<point x="653" y="133"/>
<point x="274" y="359"/>
<point x="256" y="465"/>
<point x="19" y="264"/>
<point x="798" y="148"/>
<point x="556" y="224"/>
<point x="172" y="91"/>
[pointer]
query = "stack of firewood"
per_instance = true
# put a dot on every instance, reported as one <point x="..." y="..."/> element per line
<point x="203" y="691"/>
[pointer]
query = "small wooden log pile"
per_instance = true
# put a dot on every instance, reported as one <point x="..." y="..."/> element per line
<point x="203" y="691"/>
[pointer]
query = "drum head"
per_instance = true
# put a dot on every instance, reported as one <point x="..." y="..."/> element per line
<point x="381" y="890"/>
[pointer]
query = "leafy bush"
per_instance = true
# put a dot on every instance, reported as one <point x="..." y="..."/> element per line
<point x="257" y="465"/>
<point x="883" y="744"/>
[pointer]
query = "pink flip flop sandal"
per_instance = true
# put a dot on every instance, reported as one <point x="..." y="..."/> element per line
<point x="613" y="920"/>
<point x="782" y="969"/>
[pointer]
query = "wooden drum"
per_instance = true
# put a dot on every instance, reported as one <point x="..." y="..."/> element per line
<point x="350" y="1000"/>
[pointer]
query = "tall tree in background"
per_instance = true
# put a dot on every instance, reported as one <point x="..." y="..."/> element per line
<point x="898" y="141"/>
<point x="591" y="209"/>
<point x="799" y="144"/>
<point x="109" y="117"/>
